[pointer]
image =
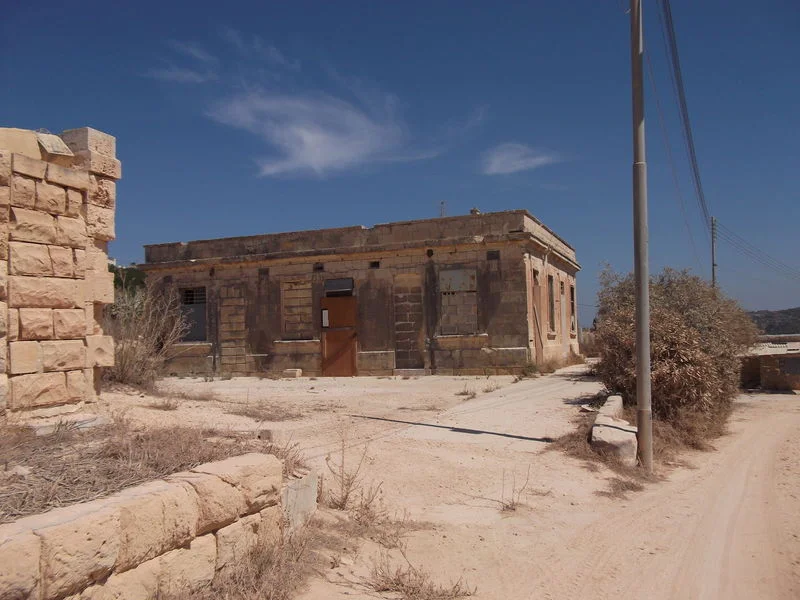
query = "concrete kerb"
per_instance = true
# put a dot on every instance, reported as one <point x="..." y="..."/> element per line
<point x="613" y="433"/>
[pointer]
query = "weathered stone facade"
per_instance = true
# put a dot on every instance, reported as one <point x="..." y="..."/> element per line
<point x="57" y="196"/>
<point x="470" y="294"/>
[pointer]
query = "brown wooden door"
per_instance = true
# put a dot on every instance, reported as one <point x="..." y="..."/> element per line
<point x="339" y="340"/>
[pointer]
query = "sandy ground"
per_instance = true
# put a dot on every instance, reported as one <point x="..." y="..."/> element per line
<point x="726" y="525"/>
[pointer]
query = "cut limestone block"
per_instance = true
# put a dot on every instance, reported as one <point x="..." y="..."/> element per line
<point x="87" y="138"/>
<point x="258" y="476"/>
<point x="51" y="198"/>
<point x="32" y="226"/>
<point x="25" y="357"/>
<point x="188" y="570"/>
<point x="99" y="351"/>
<point x="220" y="503"/>
<point x="20" y="551"/>
<point x="26" y="165"/>
<point x="62" y="261"/>
<point x="69" y="323"/>
<point x="63" y="355"/>
<point x="135" y="584"/>
<point x="102" y="191"/>
<point x="617" y="437"/>
<point x="79" y="257"/>
<point x="35" y="323"/>
<point x="100" y="164"/>
<point x="23" y="192"/>
<point x="236" y="541"/>
<point x="29" y="259"/>
<point x="76" y="385"/>
<point x="38" y="389"/>
<point x="13" y="324"/>
<point x="44" y="292"/>
<point x="80" y="543"/>
<point x="99" y="221"/>
<point x="73" y="178"/>
<point x="155" y="517"/>
<point x="74" y="203"/>
<point x="71" y="232"/>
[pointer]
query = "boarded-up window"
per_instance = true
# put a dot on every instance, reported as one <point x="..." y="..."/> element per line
<point x="572" y="320"/>
<point x="193" y="303"/>
<point x="296" y="317"/>
<point x="459" y="302"/>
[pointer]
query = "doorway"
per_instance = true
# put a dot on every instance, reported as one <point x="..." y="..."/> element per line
<point x="339" y="337"/>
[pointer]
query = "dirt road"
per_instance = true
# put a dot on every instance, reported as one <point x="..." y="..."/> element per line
<point x="726" y="525"/>
<point x="727" y="528"/>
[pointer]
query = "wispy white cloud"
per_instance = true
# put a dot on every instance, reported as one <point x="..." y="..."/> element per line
<point x="316" y="134"/>
<point x="513" y="157"/>
<point x="252" y="46"/>
<point x="193" y="51"/>
<point x="341" y="123"/>
<point x="176" y="74"/>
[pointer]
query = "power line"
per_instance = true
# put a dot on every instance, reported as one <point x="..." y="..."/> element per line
<point x="757" y="255"/>
<point x="737" y="242"/>
<point x="665" y="139"/>
<point x="669" y="27"/>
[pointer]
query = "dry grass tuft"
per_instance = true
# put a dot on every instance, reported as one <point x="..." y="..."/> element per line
<point x="70" y="465"/>
<point x="165" y="404"/>
<point x="346" y="478"/>
<point x="272" y="413"/>
<point x="468" y="394"/>
<point x="412" y="583"/>
<point x="271" y="571"/>
<point x="619" y="488"/>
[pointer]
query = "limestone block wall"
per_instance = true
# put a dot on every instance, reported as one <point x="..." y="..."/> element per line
<point x="780" y="372"/>
<point x="165" y="537"/>
<point x="57" y="198"/>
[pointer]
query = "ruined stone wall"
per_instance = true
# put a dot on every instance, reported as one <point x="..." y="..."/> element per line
<point x="163" y="538"/>
<point x="57" y="197"/>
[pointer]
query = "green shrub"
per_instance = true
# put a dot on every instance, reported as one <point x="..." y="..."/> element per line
<point x="697" y="336"/>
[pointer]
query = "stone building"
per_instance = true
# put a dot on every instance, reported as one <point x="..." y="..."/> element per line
<point x="480" y="293"/>
<point x="57" y="196"/>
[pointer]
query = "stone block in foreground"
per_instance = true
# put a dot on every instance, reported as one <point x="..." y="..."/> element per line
<point x="617" y="437"/>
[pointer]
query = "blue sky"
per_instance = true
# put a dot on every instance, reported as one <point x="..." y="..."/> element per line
<point x="245" y="118"/>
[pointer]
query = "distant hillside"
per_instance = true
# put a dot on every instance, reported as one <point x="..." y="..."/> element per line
<point x="777" y="322"/>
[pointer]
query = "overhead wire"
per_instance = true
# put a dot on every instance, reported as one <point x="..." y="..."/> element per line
<point x="668" y="26"/>
<point x="671" y="160"/>
<point x="736" y="241"/>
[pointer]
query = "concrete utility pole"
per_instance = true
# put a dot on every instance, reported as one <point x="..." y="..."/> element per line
<point x="640" y="241"/>
<point x="713" y="252"/>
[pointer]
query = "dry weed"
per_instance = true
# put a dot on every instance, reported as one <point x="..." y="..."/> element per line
<point x="271" y="571"/>
<point x="511" y="503"/>
<point x="412" y="583"/>
<point x="619" y="488"/>
<point x="146" y="323"/>
<point x="468" y="394"/>
<point x="164" y="404"/>
<point x="271" y="413"/>
<point x="346" y="480"/>
<point x="69" y="466"/>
